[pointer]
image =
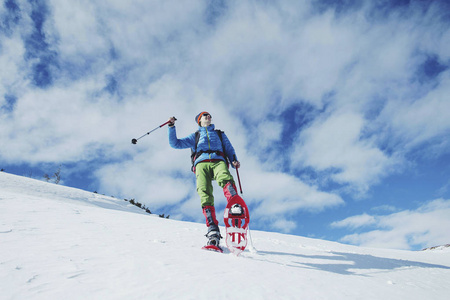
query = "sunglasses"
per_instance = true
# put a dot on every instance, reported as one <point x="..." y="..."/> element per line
<point x="205" y="115"/>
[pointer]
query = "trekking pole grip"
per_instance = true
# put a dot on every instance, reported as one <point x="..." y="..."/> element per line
<point x="168" y="122"/>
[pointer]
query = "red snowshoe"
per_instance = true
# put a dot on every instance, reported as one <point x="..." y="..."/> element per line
<point x="236" y="219"/>
<point x="212" y="248"/>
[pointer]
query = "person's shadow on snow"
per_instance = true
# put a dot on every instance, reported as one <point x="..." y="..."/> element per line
<point x="348" y="263"/>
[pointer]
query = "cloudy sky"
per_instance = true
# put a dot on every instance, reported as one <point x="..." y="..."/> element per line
<point x="338" y="110"/>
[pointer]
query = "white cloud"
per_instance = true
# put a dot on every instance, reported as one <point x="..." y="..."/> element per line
<point x="269" y="134"/>
<point x="410" y="229"/>
<point x="422" y="119"/>
<point x="284" y="225"/>
<point x="149" y="179"/>
<point x="355" y="221"/>
<point x="282" y="195"/>
<point x="336" y="144"/>
<point x="11" y="54"/>
<point x="443" y="189"/>
<point x="75" y="30"/>
<point x="385" y="208"/>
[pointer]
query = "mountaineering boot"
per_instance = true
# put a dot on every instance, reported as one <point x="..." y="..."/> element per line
<point x="229" y="190"/>
<point x="213" y="238"/>
<point x="213" y="234"/>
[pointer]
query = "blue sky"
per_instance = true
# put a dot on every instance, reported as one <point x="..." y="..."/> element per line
<point x="338" y="110"/>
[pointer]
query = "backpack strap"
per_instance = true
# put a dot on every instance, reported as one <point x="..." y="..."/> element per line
<point x="224" y="154"/>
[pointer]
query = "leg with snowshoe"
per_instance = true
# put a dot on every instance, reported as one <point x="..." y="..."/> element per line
<point x="236" y="215"/>
<point x="205" y="175"/>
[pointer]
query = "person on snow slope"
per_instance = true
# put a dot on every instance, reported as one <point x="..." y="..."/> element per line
<point x="209" y="163"/>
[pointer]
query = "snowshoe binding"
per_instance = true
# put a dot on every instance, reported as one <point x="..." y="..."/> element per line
<point x="236" y="210"/>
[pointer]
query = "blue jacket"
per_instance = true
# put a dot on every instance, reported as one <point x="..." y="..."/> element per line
<point x="208" y="140"/>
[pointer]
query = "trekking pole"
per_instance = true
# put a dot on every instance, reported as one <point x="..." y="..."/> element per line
<point x="251" y="248"/>
<point x="134" y="141"/>
<point x="239" y="179"/>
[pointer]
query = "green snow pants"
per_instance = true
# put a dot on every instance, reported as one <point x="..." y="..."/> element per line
<point x="206" y="172"/>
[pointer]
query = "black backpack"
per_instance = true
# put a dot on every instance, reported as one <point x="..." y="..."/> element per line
<point x="195" y="154"/>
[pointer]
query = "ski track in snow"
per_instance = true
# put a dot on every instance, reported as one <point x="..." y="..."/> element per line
<point x="58" y="242"/>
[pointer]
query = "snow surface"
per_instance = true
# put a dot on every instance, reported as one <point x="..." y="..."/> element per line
<point x="58" y="242"/>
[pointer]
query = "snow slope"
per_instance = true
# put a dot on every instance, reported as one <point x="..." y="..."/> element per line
<point x="63" y="243"/>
